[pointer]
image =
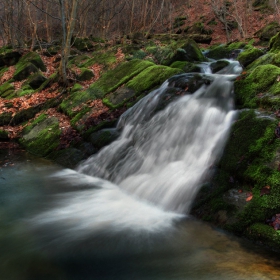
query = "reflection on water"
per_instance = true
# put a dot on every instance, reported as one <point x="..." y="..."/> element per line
<point x="57" y="224"/>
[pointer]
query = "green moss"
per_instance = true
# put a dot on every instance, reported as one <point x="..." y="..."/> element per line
<point x="259" y="81"/>
<point x="249" y="55"/>
<point x="186" y="66"/>
<point x="5" y="118"/>
<point x="76" y="99"/>
<point x="43" y="138"/>
<point x="24" y="70"/>
<point x="34" y="58"/>
<point x="82" y="44"/>
<point x="224" y="51"/>
<point x="78" y="60"/>
<point x="76" y="87"/>
<point x="4" y="88"/>
<point x="218" y="65"/>
<point x="38" y="120"/>
<point x="265" y="234"/>
<point x="274" y="44"/>
<point x="151" y="77"/>
<point x="112" y="79"/>
<point x="107" y="59"/>
<point x="79" y="115"/>
<point x="85" y="75"/>
<point x="250" y="134"/>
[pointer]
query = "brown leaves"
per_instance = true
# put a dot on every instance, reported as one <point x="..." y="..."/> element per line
<point x="265" y="190"/>
<point x="249" y="196"/>
<point x="8" y="75"/>
<point x="274" y="221"/>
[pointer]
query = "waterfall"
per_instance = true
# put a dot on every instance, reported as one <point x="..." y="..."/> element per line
<point x="163" y="157"/>
<point x="145" y="181"/>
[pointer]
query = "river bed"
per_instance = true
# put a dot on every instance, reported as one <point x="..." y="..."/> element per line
<point x="59" y="224"/>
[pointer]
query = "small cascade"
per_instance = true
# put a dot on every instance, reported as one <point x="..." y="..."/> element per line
<point x="164" y="155"/>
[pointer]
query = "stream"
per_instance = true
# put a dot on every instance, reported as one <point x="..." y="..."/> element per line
<point x="123" y="213"/>
<point x="113" y="236"/>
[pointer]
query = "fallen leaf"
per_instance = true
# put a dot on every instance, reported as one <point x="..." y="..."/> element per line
<point x="265" y="190"/>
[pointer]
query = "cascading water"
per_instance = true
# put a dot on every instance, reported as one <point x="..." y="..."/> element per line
<point x="162" y="157"/>
<point x="148" y="177"/>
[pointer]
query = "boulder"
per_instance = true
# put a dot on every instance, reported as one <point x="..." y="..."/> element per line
<point x="9" y="58"/>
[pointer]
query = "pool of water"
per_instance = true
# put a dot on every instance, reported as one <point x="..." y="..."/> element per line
<point x="58" y="224"/>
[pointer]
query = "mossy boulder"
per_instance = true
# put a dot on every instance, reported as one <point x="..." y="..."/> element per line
<point x="251" y="87"/>
<point x="6" y="89"/>
<point x="225" y="51"/>
<point x="189" y="51"/>
<point x="124" y="72"/>
<point x="78" y="60"/>
<point x="151" y="77"/>
<point x="34" y="58"/>
<point x="24" y="70"/>
<point x="274" y="43"/>
<point x="42" y="137"/>
<point x="249" y="55"/>
<point x="105" y="58"/>
<point x="9" y="58"/>
<point x="249" y="165"/>
<point x="268" y="31"/>
<point x="103" y="137"/>
<point x="82" y="44"/>
<point x="119" y="97"/>
<point x="5" y="118"/>
<point x="85" y="75"/>
<point x="68" y="157"/>
<point x="36" y="80"/>
<point x="186" y="66"/>
<point x="218" y="65"/>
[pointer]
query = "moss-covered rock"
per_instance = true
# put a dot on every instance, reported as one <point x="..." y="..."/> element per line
<point x="249" y="163"/>
<point x="189" y="51"/>
<point x="119" y="97"/>
<point x="34" y="58"/>
<point x="218" y="65"/>
<point x="9" y="58"/>
<point x="124" y="72"/>
<point x="274" y="43"/>
<point x="68" y="157"/>
<point x="43" y="137"/>
<point x="225" y="51"/>
<point x="186" y="66"/>
<point x="249" y="88"/>
<point x="151" y="77"/>
<point x="103" y="137"/>
<point x="249" y="55"/>
<point x="78" y="60"/>
<point x="82" y="44"/>
<point x="85" y="75"/>
<point x="36" y="80"/>
<point x="6" y="89"/>
<point x="106" y="58"/>
<point x="268" y="31"/>
<point x="24" y="70"/>
<point x="5" y="118"/>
